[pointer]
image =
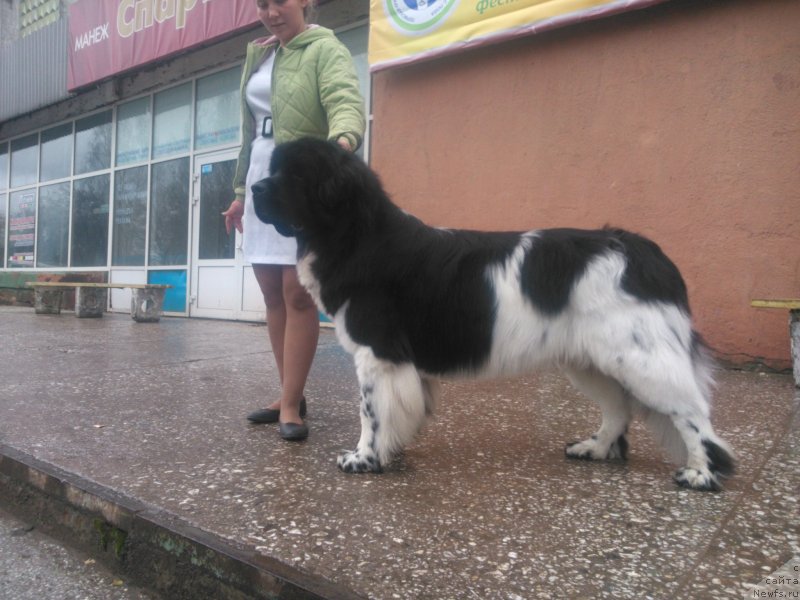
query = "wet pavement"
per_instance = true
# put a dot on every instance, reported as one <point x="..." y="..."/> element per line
<point x="34" y="566"/>
<point x="482" y="505"/>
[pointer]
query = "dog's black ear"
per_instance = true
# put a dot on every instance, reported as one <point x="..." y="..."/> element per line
<point x="335" y="173"/>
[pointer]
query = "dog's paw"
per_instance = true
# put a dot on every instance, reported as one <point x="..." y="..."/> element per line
<point x="591" y="450"/>
<point x="697" y="479"/>
<point x="355" y="462"/>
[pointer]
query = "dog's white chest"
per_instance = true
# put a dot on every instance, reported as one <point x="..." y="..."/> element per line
<point x="306" y="276"/>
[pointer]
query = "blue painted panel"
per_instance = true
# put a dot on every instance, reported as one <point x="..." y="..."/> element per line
<point x="175" y="298"/>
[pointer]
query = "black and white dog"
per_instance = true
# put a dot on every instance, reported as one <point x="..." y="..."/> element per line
<point x="413" y="304"/>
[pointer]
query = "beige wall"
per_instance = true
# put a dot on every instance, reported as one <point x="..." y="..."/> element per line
<point x="681" y="122"/>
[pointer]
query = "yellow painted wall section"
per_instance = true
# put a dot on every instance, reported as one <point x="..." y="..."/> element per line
<point x="680" y="122"/>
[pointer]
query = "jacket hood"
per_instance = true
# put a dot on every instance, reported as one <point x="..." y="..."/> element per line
<point x="310" y="35"/>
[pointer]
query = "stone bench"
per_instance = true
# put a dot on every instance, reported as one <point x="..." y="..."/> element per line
<point x="91" y="299"/>
<point x="794" y="328"/>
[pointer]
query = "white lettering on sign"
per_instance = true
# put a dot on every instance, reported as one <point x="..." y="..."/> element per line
<point x="135" y="15"/>
<point x="92" y="37"/>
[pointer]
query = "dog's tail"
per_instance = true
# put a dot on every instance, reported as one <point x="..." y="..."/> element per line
<point x="703" y="365"/>
<point x="663" y="430"/>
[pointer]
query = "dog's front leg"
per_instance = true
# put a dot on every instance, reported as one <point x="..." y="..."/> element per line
<point x="392" y="411"/>
<point x="364" y="458"/>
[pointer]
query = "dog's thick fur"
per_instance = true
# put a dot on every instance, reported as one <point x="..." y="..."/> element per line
<point x="414" y="304"/>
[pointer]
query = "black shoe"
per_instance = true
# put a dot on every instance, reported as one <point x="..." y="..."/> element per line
<point x="270" y="415"/>
<point x="293" y="432"/>
<point x="265" y="415"/>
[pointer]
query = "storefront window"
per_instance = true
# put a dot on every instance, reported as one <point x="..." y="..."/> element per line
<point x="21" y="228"/>
<point x="93" y="143"/>
<point x="3" y="166"/>
<point x="52" y="235"/>
<point x="24" y="160"/>
<point x="3" y="198"/>
<point x="90" y="221"/>
<point x="133" y="132"/>
<point x="55" y="184"/>
<point x="130" y="217"/>
<point x="169" y="213"/>
<point x="218" y="109"/>
<point x="173" y="121"/>
<point x="215" y="182"/>
<point x="56" y="153"/>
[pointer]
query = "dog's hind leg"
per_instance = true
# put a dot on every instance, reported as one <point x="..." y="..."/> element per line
<point x="708" y="456"/>
<point x="394" y="399"/>
<point x="675" y="386"/>
<point x="610" y="442"/>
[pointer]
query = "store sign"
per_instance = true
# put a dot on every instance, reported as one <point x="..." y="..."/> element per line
<point x="111" y="36"/>
<point x="21" y="229"/>
<point x="405" y="31"/>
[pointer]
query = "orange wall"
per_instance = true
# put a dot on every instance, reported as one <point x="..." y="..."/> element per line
<point x="681" y="122"/>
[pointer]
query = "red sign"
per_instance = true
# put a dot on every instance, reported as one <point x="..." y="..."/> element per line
<point x="111" y="36"/>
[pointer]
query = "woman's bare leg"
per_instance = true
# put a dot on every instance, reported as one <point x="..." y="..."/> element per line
<point x="301" y="334"/>
<point x="270" y="280"/>
<point x="293" y="328"/>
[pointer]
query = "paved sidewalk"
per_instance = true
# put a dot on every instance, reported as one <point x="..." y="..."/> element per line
<point x="33" y="566"/>
<point x="150" y="418"/>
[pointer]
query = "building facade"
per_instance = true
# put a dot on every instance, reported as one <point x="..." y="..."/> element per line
<point x="123" y="179"/>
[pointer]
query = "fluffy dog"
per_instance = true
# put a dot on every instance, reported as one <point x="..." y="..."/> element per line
<point x="413" y="304"/>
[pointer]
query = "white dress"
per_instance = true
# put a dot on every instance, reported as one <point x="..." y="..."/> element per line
<point x="262" y="244"/>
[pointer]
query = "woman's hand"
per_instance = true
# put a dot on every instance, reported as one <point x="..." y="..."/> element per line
<point x="344" y="143"/>
<point x="233" y="216"/>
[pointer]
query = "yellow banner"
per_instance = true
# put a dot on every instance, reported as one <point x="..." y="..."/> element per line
<point x="403" y="31"/>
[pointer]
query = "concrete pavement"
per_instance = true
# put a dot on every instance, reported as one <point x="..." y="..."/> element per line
<point x="34" y="566"/>
<point x="131" y="438"/>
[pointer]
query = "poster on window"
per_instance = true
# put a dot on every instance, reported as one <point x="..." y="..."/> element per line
<point x="405" y="31"/>
<point x="111" y="36"/>
<point x="21" y="229"/>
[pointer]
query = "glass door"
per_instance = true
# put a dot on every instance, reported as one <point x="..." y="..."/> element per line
<point x="223" y="287"/>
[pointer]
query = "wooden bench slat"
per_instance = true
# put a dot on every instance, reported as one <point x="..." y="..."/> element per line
<point x="791" y="304"/>
<point x="73" y="284"/>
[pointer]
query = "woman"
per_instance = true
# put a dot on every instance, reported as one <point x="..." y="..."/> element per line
<point x="299" y="82"/>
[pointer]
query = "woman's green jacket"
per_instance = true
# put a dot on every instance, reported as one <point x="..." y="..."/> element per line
<point x="315" y="93"/>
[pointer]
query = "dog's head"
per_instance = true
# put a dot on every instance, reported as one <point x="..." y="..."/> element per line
<point x="315" y="190"/>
